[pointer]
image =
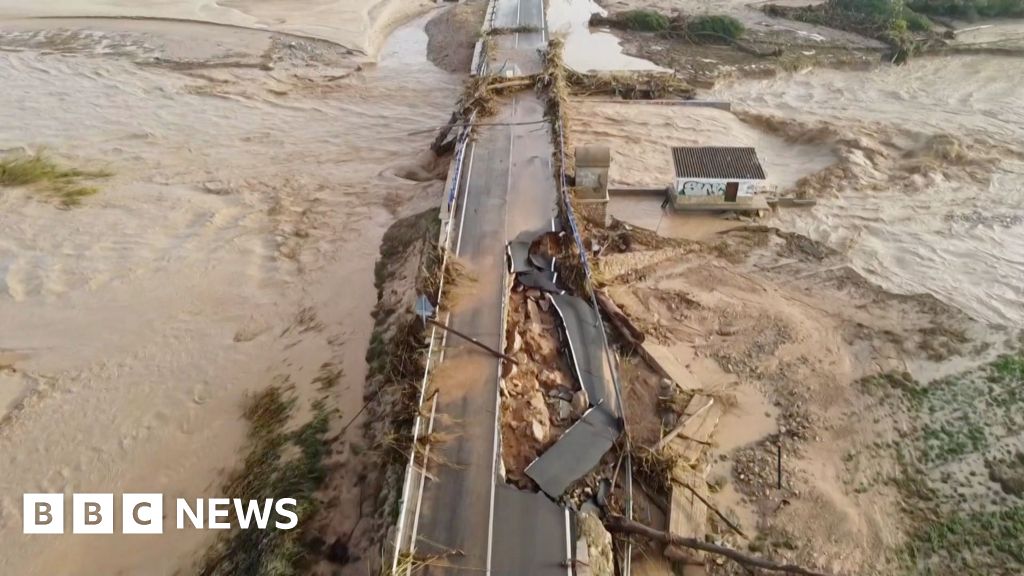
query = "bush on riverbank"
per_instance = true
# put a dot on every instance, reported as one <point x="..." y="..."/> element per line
<point x="703" y="29"/>
<point x="645" y="21"/>
<point x="712" y="28"/>
<point x="969" y="9"/>
<point x="890" y="21"/>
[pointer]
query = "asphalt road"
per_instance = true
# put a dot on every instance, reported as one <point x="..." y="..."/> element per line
<point x="467" y="513"/>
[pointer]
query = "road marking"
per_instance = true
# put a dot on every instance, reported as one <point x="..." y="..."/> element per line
<point x="423" y="477"/>
<point x="407" y="485"/>
<point x="568" y="543"/>
<point x="462" y="219"/>
<point x="501" y="340"/>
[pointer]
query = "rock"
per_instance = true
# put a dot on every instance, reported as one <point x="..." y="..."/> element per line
<point x="532" y="311"/>
<point x="599" y="544"/>
<point x="561" y="392"/>
<point x="539" y="431"/>
<point x="550" y="379"/>
<point x="579" y="403"/>
<point x="541" y="347"/>
<point x="533" y="294"/>
<point x="564" y="410"/>
<point x="509" y="369"/>
<point x="517" y="342"/>
<point x="545" y="305"/>
<point x="217" y="188"/>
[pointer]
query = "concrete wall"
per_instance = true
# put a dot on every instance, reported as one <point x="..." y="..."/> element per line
<point x="713" y="187"/>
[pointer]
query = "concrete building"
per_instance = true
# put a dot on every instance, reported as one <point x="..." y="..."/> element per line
<point x="716" y="178"/>
<point x="591" y="189"/>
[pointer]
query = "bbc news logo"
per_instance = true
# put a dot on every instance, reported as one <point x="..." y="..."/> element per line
<point x="144" y="513"/>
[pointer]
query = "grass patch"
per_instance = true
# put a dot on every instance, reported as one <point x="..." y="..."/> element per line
<point x="977" y="543"/>
<point x="715" y="28"/>
<point x="645" y="21"/>
<point x="50" y="178"/>
<point x="961" y="480"/>
<point x="890" y="21"/>
<point x="969" y="9"/>
<point x="281" y="462"/>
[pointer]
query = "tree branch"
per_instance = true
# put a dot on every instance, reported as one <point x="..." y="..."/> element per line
<point x="620" y="525"/>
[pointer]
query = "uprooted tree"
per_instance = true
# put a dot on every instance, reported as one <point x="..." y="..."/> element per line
<point x="620" y="525"/>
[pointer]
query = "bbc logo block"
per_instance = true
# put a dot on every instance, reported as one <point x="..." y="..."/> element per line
<point x="92" y="513"/>
<point x="96" y="513"/>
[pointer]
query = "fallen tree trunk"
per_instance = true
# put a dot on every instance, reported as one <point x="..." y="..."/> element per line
<point x="622" y="323"/>
<point x="620" y="525"/>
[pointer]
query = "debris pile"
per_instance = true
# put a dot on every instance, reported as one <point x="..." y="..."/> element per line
<point x="545" y="391"/>
<point x="540" y="398"/>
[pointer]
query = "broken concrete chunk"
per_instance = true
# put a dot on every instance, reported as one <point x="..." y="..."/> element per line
<point x="564" y="410"/>
<point x="599" y="544"/>
<point x="579" y="403"/>
<point x="550" y="378"/>
<point x="517" y="342"/>
<point x="532" y="313"/>
<point x="539" y="431"/>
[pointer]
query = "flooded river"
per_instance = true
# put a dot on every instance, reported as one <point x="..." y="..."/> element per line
<point x="357" y="24"/>
<point x="232" y="248"/>
<point x="929" y="193"/>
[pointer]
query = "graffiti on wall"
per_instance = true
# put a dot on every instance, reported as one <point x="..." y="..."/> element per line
<point x="703" y="188"/>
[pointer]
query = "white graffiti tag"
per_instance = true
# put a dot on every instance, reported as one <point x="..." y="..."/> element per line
<point x="698" y="188"/>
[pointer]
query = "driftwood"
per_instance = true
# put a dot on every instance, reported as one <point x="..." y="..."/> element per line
<point x="619" y="525"/>
<point x="675" y="431"/>
<point x="717" y="512"/>
<point x="477" y="97"/>
<point x="622" y="323"/>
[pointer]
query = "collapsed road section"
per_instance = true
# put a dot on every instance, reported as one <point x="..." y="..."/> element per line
<point x="580" y="336"/>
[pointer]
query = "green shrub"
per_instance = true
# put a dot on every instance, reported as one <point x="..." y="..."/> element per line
<point x="880" y="13"/>
<point x="645" y="20"/>
<point x="916" y="22"/>
<point x="969" y="9"/>
<point x="715" y="28"/>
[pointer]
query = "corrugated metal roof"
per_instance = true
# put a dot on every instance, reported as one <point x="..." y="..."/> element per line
<point x="717" y="162"/>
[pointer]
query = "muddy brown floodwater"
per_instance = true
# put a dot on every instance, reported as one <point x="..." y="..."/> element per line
<point x="232" y="248"/>
<point x="929" y="193"/>
<point x="357" y="24"/>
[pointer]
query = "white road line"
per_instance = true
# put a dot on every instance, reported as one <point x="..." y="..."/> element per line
<point x="568" y="543"/>
<point x="423" y="477"/>
<point x="426" y="374"/>
<point x="468" y="180"/>
<point x="501" y="340"/>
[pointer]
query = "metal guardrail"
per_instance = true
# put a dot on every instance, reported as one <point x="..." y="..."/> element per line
<point x="570" y="215"/>
<point x="444" y="243"/>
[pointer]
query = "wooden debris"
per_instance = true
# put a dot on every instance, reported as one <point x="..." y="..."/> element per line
<point x="688" y="515"/>
<point x="698" y="404"/>
<point x="620" y="525"/>
<point x="664" y="362"/>
<point x="622" y="323"/>
<point x="696" y="434"/>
